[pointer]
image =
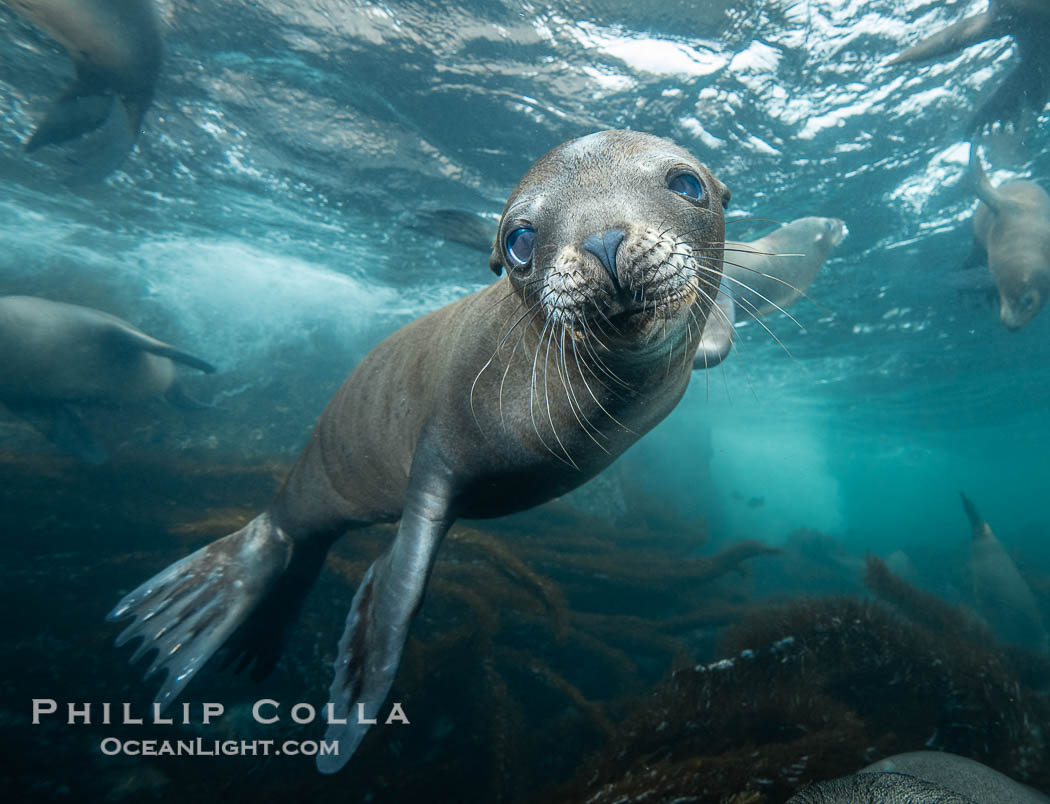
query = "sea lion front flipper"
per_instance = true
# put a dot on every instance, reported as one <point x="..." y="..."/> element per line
<point x="127" y="336"/>
<point x="717" y="340"/>
<point x="189" y="610"/>
<point x="380" y="616"/>
<point x="61" y="425"/>
<point x="955" y="37"/>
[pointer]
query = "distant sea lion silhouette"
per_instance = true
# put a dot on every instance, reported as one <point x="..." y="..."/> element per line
<point x="1002" y="596"/>
<point x="116" y="47"/>
<point x="55" y="356"/>
<point x="1012" y="225"/>
<point x="764" y="276"/>
<point x="1028" y="85"/>
<point x="610" y="249"/>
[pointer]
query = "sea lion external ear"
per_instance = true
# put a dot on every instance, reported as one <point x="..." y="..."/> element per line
<point x="496" y="263"/>
<point x="726" y="195"/>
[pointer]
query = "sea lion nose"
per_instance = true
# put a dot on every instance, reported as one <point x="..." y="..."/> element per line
<point x="604" y="248"/>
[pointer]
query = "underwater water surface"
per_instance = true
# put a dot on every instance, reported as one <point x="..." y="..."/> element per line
<point x="270" y="220"/>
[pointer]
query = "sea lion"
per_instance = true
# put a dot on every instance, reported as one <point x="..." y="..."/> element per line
<point x="961" y="775"/>
<point x="612" y="247"/>
<point x="764" y="276"/>
<point x="1012" y="226"/>
<point x="1028" y="85"/>
<point x="1002" y="596"/>
<point x="57" y="355"/>
<point x="116" y="48"/>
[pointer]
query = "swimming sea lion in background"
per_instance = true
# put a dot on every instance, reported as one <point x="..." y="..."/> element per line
<point x="1028" y="85"/>
<point x="1012" y="224"/>
<point x="764" y="276"/>
<point x="966" y="776"/>
<point x="115" y="46"/>
<point x="56" y="355"/>
<point x="1002" y="596"/>
<point x="612" y="246"/>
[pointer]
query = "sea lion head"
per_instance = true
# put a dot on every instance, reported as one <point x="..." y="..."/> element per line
<point x="826" y="232"/>
<point x="616" y="236"/>
<point x="1023" y="279"/>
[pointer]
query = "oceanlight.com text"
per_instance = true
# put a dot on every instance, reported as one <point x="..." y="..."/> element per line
<point x="200" y="747"/>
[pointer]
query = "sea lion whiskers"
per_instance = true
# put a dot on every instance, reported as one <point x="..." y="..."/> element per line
<point x="745" y="286"/>
<point x="748" y="287"/>
<point x="525" y="330"/>
<point x="547" y="396"/>
<point x="579" y="366"/>
<point x="532" y="402"/>
<point x="499" y="345"/>
<point x="570" y="396"/>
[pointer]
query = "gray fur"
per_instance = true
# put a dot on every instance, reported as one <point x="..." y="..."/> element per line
<point x="965" y="776"/>
<point x="878" y="788"/>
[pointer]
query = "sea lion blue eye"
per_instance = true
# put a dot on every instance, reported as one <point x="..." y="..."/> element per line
<point x="686" y="184"/>
<point x="520" y="243"/>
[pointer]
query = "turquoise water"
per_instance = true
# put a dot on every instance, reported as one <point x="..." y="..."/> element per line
<point x="265" y="222"/>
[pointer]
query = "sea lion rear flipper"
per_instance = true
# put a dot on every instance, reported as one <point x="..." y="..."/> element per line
<point x="985" y="191"/>
<point x="977" y="525"/>
<point x="1026" y="87"/>
<point x="955" y="37"/>
<point x="457" y="225"/>
<point x="380" y="616"/>
<point x="226" y="589"/>
<point x="128" y="336"/>
<point x="179" y="397"/>
<point x="717" y="340"/>
<point x="61" y="425"/>
<point x="102" y="151"/>
<point x="81" y="108"/>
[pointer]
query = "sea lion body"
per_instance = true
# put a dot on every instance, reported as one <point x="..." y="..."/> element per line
<point x="116" y="48"/>
<point x="1027" y="87"/>
<point x="768" y="276"/>
<point x="764" y="276"/>
<point x="1012" y="225"/>
<point x="612" y="247"/>
<point x="55" y="354"/>
<point x="1001" y="593"/>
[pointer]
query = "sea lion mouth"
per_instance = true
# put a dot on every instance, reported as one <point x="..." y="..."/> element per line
<point x="640" y="316"/>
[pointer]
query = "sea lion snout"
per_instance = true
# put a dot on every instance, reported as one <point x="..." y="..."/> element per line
<point x="604" y="247"/>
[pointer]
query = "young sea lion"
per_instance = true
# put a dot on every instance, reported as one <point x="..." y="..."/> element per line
<point x="56" y="356"/>
<point x="612" y="247"/>
<point x="1012" y="225"/>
